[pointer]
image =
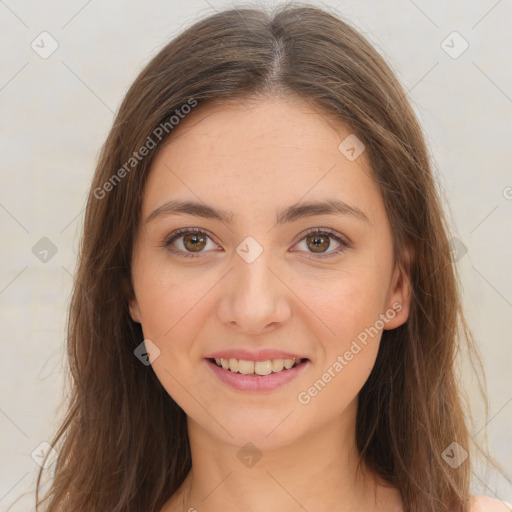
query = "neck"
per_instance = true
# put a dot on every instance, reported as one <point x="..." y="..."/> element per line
<point x="316" y="472"/>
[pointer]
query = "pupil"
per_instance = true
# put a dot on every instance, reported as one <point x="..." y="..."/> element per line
<point x="318" y="241"/>
<point x="195" y="239"/>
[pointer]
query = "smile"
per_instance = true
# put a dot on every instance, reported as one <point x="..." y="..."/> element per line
<point x="247" y="367"/>
<point x="259" y="375"/>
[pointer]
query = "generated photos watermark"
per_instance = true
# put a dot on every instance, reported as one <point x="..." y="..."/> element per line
<point x="304" y="397"/>
<point x="158" y="134"/>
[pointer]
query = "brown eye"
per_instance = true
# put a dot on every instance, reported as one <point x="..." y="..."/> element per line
<point x="194" y="241"/>
<point x="189" y="243"/>
<point x="319" y="243"/>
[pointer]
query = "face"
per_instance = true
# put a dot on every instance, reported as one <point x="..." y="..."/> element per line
<point x="264" y="278"/>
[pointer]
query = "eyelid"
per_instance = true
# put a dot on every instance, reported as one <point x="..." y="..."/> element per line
<point x="334" y="234"/>
<point x="185" y="231"/>
<point x="343" y="241"/>
<point x="182" y="232"/>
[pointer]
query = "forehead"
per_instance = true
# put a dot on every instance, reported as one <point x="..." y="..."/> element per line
<point x="267" y="153"/>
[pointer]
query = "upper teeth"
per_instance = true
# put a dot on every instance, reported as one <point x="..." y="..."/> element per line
<point x="258" y="367"/>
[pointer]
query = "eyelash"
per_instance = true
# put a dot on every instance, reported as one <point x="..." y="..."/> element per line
<point x="313" y="231"/>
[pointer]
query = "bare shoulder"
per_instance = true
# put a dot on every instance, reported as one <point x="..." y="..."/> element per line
<point x="486" y="504"/>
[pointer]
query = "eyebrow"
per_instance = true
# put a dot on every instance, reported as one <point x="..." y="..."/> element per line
<point x="290" y="214"/>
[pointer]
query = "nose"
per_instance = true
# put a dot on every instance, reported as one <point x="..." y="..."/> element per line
<point x="255" y="298"/>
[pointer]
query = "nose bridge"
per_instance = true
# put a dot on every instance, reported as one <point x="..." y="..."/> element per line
<point x="255" y="277"/>
<point x="256" y="297"/>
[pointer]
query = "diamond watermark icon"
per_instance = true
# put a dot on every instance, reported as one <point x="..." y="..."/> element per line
<point x="146" y="352"/>
<point x="454" y="45"/>
<point x="41" y="451"/>
<point x="44" y="249"/>
<point x="44" y="45"/>
<point x="454" y="455"/>
<point x="351" y="147"/>
<point x="249" y="455"/>
<point x="249" y="249"/>
<point x="457" y="249"/>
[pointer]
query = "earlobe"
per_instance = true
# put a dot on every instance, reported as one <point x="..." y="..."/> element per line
<point x="134" y="310"/>
<point x="129" y="295"/>
<point x="399" y="302"/>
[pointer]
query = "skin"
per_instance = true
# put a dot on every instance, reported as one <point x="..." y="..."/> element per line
<point x="253" y="161"/>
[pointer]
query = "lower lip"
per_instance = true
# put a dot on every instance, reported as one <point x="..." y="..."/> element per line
<point x="257" y="382"/>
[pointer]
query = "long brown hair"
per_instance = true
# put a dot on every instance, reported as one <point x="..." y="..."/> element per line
<point x="123" y="444"/>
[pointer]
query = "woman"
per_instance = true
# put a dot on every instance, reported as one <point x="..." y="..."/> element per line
<point x="265" y="313"/>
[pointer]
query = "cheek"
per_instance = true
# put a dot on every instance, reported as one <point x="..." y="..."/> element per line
<point x="347" y="305"/>
<point x="172" y="305"/>
<point x="174" y="308"/>
<point x="347" y="353"/>
<point x="350" y="306"/>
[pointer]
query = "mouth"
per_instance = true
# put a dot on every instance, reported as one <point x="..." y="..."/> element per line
<point x="257" y="368"/>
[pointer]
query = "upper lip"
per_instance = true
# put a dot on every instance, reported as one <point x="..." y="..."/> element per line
<point x="260" y="355"/>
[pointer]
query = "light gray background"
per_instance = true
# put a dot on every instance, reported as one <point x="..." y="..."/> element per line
<point x="56" y="112"/>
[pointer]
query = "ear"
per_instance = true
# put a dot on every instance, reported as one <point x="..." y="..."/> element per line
<point x="399" y="300"/>
<point x="134" y="310"/>
<point x="133" y="304"/>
